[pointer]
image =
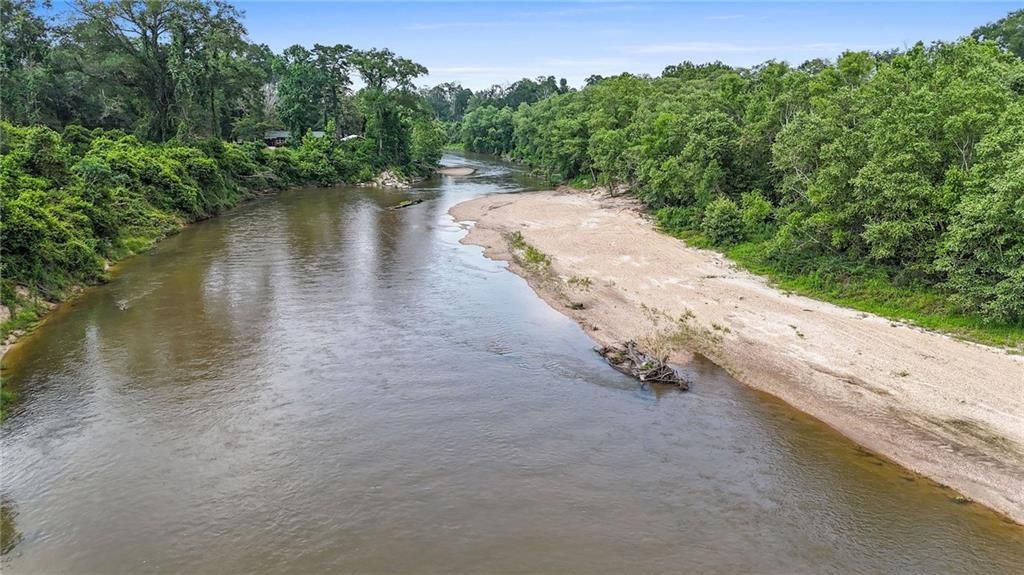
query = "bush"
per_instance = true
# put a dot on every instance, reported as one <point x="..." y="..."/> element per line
<point x="676" y="219"/>
<point x="756" y="213"/>
<point x="722" y="222"/>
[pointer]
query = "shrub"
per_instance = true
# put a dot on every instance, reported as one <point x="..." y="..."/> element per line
<point x="722" y="222"/>
<point x="756" y="213"/>
<point x="676" y="219"/>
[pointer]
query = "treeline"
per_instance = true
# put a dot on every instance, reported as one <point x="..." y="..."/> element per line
<point x="184" y="70"/>
<point x="877" y="177"/>
<point x="467" y="114"/>
<point x="121" y="120"/>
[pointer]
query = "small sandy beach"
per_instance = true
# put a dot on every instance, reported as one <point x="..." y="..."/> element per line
<point x="951" y="410"/>
<point x="456" y="171"/>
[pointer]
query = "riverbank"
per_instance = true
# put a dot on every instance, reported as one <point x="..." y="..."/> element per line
<point x="25" y="310"/>
<point x="948" y="409"/>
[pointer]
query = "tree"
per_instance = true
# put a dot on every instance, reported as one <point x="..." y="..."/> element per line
<point x="448" y="101"/>
<point x="300" y="90"/>
<point x="1008" y="32"/>
<point x="171" y="56"/>
<point x="333" y="65"/>
<point x="488" y="129"/>
<point x="383" y="71"/>
<point x="24" y="48"/>
<point x="388" y="102"/>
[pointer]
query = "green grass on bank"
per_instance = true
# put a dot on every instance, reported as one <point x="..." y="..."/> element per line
<point x="870" y="292"/>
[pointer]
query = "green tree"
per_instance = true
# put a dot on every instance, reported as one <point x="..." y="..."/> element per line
<point x="388" y="102"/>
<point x="1008" y="32"/>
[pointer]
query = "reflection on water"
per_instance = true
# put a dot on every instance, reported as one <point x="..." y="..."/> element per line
<point x="9" y="534"/>
<point x="315" y="383"/>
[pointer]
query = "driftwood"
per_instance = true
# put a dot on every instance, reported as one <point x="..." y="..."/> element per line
<point x="406" y="204"/>
<point x="648" y="369"/>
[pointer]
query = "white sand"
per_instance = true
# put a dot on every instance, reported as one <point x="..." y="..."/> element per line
<point x="456" y="171"/>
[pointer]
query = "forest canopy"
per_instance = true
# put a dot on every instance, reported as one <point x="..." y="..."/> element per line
<point x="875" y="175"/>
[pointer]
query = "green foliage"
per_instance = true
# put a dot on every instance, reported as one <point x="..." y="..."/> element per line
<point x="488" y="129"/>
<point x="183" y="70"/>
<point x="69" y="205"/>
<point x="482" y="121"/>
<point x="525" y="91"/>
<point x="982" y="252"/>
<point x="906" y="166"/>
<point x="722" y="222"/>
<point x="535" y="257"/>
<point x="872" y="290"/>
<point x="756" y="213"/>
<point x="675" y="219"/>
<point x="516" y="241"/>
<point x="1008" y="32"/>
<point x="427" y="142"/>
<point x="448" y="101"/>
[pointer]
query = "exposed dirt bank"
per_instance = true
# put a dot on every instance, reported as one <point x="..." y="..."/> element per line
<point x="951" y="410"/>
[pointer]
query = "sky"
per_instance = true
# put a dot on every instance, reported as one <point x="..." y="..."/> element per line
<point x="479" y="44"/>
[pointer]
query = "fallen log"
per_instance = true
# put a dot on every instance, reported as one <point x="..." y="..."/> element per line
<point x="406" y="204"/>
<point x="648" y="369"/>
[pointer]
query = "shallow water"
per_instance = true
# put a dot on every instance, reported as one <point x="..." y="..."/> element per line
<point x="313" y="383"/>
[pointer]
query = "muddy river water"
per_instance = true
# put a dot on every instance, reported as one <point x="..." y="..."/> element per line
<point x="314" y="383"/>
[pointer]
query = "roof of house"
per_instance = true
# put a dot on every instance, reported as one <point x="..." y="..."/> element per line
<point x="275" y="134"/>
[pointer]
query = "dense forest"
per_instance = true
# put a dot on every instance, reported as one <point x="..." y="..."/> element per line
<point x="121" y="121"/>
<point x="892" y="181"/>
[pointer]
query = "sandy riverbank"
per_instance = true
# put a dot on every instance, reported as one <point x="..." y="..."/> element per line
<point x="951" y="410"/>
<point x="456" y="171"/>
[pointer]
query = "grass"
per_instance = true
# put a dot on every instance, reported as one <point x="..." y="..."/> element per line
<point x="530" y="255"/>
<point x="880" y="296"/>
<point x="7" y="398"/>
<point x="23" y="320"/>
<point x="516" y="241"/>
<point x="581" y="282"/>
<point x="582" y="182"/>
<point x="533" y="256"/>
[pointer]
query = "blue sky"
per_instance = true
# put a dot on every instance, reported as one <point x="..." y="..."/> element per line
<point x="483" y="43"/>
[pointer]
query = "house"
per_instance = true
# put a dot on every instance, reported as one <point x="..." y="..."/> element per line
<point x="275" y="137"/>
<point x="280" y="137"/>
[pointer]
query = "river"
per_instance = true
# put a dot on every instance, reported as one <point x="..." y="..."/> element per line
<point x="314" y="383"/>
